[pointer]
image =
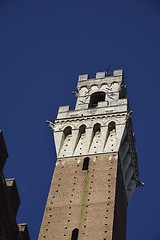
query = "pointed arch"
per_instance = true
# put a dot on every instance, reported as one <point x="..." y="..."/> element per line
<point x="82" y="129"/>
<point x="66" y="137"/>
<point x="110" y="142"/>
<point x="95" y="144"/>
<point x="111" y="126"/>
<point x="96" y="128"/>
<point x="67" y="131"/>
<point x="81" y="140"/>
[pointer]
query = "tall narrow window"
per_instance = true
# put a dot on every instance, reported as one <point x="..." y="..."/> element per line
<point x="111" y="126"/>
<point x="96" y="129"/>
<point x="96" y="98"/>
<point x="66" y="139"/>
<point x="85" y="163"/>
<point x="82" y="129"/>
<point x="75" y="234"/>
<point x="67" y="131"/>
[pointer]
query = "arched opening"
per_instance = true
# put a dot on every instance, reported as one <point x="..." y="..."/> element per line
<point x="81" y="140"/>
<point x="75" y="234"/>
<point x="66" y="140"/>
<point x="81" y="134"/>
<point x="82" y="129"/>
<point x="96" y="129"/>
<point x="85" y="163"/>
<point x="95" y="144"/>
<point x="67" y="131"/>
<point x="95" y="98"/>
<point x="110" y="141"/>
<point x="111" y="126"/>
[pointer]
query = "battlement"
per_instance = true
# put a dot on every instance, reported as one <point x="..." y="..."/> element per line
<point x="99" y="75"/>
<point x="103" y="94"/>
<point x="120" y="107"/>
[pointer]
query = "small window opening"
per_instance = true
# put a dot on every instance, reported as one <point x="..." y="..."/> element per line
<point x="85" y="163"/>
<point x="75" y="234"/>
<point x="95" y="98"/>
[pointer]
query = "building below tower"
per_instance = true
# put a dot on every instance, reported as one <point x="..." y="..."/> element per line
<point x="9" y="203"/>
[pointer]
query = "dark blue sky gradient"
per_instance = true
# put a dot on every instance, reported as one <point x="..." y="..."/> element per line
<point x="44" y="45"/>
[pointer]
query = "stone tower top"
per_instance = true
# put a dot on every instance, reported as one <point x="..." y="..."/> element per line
<point x="102" y="94"/>
<point x="102" y="91"/>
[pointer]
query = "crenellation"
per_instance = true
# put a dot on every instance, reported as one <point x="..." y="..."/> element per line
<point x="101" y="75"/>
<point x="118" y="72"/>
<point x="83" y="77"/>
<point x="101" y="109"/>
<point x="63" y="109"/>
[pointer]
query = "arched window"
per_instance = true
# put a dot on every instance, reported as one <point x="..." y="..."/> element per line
<point x="111" y="126"/>
<point x="82" y="129"/>
<point x="96" y="129"/>
<point x="95" y="98"/>
<point x="75" y="234"/>
<point x="67" y="134"/>
<point x="85" y="163"/>
<point x="67" y="131"/>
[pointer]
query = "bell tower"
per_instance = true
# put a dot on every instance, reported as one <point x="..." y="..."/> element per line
<point x="96" y="170"/>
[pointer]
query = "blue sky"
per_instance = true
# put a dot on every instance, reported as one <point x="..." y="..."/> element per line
<point x="44" y="45"/>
